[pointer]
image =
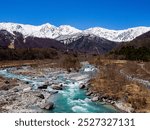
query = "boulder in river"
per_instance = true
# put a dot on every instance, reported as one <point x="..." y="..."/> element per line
<point x="57" y="87"/>
<point x="47" y="106"/>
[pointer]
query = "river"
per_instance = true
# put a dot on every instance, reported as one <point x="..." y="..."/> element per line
<point x="71" y="99"/>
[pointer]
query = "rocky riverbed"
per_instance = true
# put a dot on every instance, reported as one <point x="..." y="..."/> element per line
<point x="28" y="89"/>
<point x="21" y="98"/>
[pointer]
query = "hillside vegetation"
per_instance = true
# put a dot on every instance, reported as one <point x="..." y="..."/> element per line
<point x="27" y="54"/>
<point x="138" y="49"/>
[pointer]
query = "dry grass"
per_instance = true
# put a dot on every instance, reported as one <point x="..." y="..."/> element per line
<point x="69" y="62"/>
<point x="110" y="84"/>
<point x="147" y="66"/>
<point x="137" y="96"/>
<point x="4" y="64"/>
<point x="137" y="70"/>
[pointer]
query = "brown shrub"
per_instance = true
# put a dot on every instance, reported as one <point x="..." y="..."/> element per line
<point x="70" y="62"/>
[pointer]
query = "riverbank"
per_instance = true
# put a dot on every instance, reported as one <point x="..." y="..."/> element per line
<point x="18" y="97"/>
<point x="128" y="91"/>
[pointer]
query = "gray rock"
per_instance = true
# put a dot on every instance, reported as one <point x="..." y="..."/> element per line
<point x="26" y="82"/>
<point x="47" y="106"/>
<point x="27" y="89"/>
<point x="88" y="93"/>
<point x="43" y="86"/>
<point x="57" y="87"/>
<point x="95" y="99"/>
<point x="16" y="90"/>
<point x="86" y="88"/>
<point x="112" y="102"/>
<point x="92" y="95"/>
<point x="82" y="86"/>
<point x="53" y="92"/>
<point x="41" y="96"/>
<point x="61" y="85"/>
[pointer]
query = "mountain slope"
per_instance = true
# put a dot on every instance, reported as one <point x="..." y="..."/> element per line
<point x="92" y="44"/>
<point x="141" y="41"/>
<point x="138" y="49"/>
<point x="16" y="40"/>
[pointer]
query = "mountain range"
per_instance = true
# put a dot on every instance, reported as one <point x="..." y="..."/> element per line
<point x="94" y="40"/>
<point x="50" y="31"/>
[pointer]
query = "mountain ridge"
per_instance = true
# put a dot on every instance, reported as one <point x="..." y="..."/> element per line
<point x="137" y="49"/>
<point x="65" y="32"/>
<point x="85" y="44"/>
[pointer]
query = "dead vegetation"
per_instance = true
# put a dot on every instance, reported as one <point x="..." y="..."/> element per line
<point x="137" y="69"/>
<point x="147" y="66"/>
<point x="70" y="63"/>
<point x="110" y="84"/>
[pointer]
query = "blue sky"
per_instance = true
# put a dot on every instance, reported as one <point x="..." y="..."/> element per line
<point x="82" y="14"/>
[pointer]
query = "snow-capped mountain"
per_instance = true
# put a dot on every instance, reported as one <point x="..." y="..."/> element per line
<point x="112" y="35"/>
<point x="118" y="35"/>
<point x="43" y="31"/>
<point x="18" y="41"/>
<point x="66" y="39"/>
<point x="68" y="34"/>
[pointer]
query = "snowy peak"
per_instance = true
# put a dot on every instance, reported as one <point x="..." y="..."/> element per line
<point x="118" y="35"/>
<point x="46" y="28"/>
<point x="48" y="25"/>
<point x="131" y="33"/>
<point x="67" y="29"/>
<point x="43" y="31"/>
<point x="102" y="32"/>
<point x="67" y="34"/>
